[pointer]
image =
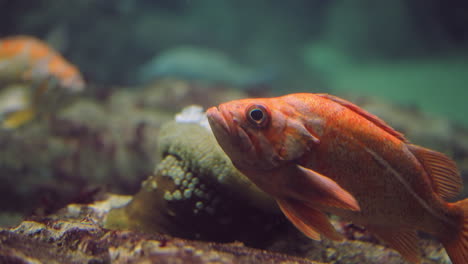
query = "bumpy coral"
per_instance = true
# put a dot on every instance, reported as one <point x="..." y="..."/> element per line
<point x="193" y="160"/>
<point x="197" y="193"/>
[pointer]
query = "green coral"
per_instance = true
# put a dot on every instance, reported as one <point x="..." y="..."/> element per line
<point x="189" y="150"/>
<point x="196" y="192"/>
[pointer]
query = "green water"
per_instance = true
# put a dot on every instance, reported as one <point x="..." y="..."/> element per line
<point x="437" y="85"/>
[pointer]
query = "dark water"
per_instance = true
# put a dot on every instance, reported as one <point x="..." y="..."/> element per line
<point x="413" y="52"/>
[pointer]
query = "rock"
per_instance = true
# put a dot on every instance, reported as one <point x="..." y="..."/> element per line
<point x="86" y="144"/>
<point x="75" y="235"/>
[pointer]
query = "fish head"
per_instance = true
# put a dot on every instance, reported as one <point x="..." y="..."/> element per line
<point x="260" y="134"/>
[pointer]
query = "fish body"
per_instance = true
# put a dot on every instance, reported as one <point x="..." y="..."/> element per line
<point x="317" y="154"/>
<point x="30" y="59"/>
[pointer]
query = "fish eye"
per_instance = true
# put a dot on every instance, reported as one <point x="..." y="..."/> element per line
<point x="257" y="115"/>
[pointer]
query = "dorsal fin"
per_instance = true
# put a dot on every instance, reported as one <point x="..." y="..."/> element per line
<point x="441" y="169"/>
<point x="374" y="119"/>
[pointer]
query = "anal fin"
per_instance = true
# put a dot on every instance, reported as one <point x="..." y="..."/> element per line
<point x="402" y="240"/>
<point x="442" y="171"/>
<point x="308" y="220"/>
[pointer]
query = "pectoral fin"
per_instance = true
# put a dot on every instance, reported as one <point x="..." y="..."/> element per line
<point x="316" y="188"/>
<point x="309" y="221"/>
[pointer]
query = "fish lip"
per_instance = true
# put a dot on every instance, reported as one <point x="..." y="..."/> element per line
<point x="217" y="119"/>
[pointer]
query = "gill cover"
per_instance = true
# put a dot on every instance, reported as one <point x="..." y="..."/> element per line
<point x="279" y="129"/>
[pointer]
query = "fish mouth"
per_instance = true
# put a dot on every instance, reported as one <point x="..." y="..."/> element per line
<point x="217" y="119"/>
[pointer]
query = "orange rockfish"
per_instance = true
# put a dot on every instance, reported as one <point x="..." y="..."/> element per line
<point x="316" y="153"/>
<point x="29" y="59"/>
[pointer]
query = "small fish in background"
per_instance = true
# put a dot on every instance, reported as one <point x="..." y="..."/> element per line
<point x="317" y="154"/>
<point x="41" y="71"/>
<point x="37" y="61"/>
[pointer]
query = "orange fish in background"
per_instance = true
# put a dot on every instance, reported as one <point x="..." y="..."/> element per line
<point x="38" y="62"/>
<point x="27" y="59"/>
<point x="316" y="153"/>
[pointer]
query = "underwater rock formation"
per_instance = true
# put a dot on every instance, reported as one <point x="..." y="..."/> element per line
<point x="88" y="144"/>
<point x="75" y="235"/>
<point x="196" y="192"/>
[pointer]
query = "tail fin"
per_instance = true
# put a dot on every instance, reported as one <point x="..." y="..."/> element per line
<point x="457" y="244"/>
